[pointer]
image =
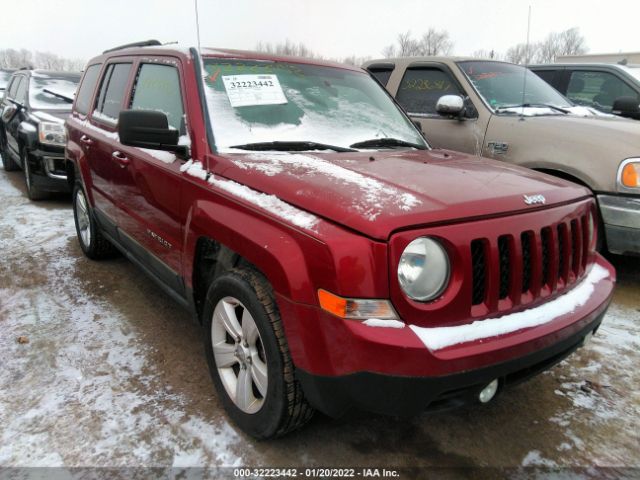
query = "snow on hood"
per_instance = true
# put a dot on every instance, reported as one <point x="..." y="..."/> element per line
<point x="378" y="192"/>
<point x="576" y="110"/>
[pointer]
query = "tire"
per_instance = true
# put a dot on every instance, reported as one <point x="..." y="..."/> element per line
<point x="270" y="410"/>
<point x="92" y="241"/>
<point x="7" y="162"/>
<point x="33" y="192"/>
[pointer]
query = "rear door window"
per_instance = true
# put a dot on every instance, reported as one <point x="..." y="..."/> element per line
<point x="548" y="76"/>
<point x="112" y="90"/>
<point x="85" y="92"/>
<point x="421" y="88"/>
<point x="597" y="89"/>
<point x="157" y="87"/>
<point x="381" y="72"/>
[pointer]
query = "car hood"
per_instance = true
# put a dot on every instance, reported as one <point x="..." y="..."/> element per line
<point x="58" y="116"/>
<point x="377" y="193"/>
<point x="610" y="133"/>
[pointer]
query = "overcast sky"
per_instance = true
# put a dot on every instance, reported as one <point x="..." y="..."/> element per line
<point x="334" y="28"/>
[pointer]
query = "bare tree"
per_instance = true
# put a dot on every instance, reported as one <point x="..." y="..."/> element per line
<point x="435" y="42"/>
<point x="389" y="51"/>
<point x="12" y="58"/>
<point x="568" y="42"/>
<point x="523" y="53"/>
<point x="407" y="46"/>
<point x="490" y="54"/>
<point x="572" y="42"/>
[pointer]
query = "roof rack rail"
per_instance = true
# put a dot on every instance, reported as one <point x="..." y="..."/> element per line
<point x="145" y="43"/>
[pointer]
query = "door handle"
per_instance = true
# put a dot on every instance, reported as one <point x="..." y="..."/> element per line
<point x="121" y="159"/>
<point x="86" y="140"/>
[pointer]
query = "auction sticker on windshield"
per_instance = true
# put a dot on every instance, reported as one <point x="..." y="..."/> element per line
<point x="250" y="90"/>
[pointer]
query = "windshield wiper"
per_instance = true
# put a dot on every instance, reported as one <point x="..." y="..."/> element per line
<point x="59" y="95"/>
<point x="292" y="146"/>
<point x="387" y="142"/>
<point x="534" y="105"/>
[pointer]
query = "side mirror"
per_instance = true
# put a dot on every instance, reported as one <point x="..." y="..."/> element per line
<point x="9" y="112"/>
<point x="148" y="129"/>
<point x="450" y="106"/>
<point x="628" y="107"/>
<point x="418" y="125"/>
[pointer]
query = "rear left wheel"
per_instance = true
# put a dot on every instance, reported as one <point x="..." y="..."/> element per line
<point x="92" y="241"/>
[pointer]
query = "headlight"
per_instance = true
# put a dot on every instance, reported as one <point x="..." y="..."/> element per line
<point x="423" y="271"/>
<point x="52" y="133"/>
<point x="629" y="175"/>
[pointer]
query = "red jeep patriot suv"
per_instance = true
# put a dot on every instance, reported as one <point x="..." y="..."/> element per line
<point x="333" y="258"/>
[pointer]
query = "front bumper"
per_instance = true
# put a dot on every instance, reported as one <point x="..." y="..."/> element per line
<point x="621" y="218"/>
<point x="48" y="170"/>
<point x="343" y="363"/>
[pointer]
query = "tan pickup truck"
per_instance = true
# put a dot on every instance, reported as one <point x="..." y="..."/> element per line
<point x="504" y="111"/>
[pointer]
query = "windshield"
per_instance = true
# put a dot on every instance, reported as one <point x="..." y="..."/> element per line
<point x="4" y="79"/>
<point x="64" y="85"/>
<point x="634" y="71"/>
<point x="500" y="85"/>
<point x="257" y="101"/>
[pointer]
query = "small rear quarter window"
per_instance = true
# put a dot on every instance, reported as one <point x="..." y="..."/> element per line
<point x="381" y="72"/>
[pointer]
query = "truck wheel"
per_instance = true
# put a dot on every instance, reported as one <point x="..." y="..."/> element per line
<point x="92" y="242"/>
<point x="34" y="193"/>
<point x="7" y="162"/>
<point x="249" y="358"/>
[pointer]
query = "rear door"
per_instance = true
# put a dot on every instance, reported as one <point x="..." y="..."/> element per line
<point x="148" y="188"/>
<point x="418" y="92"/>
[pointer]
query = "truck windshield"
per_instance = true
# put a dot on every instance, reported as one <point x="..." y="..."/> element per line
<point x="253" y="104"/>
<point x="48" y="91"/>
<point x="500" y="85"/>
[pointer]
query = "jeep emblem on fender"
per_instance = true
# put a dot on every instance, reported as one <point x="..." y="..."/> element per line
<point x="533" y="199"/>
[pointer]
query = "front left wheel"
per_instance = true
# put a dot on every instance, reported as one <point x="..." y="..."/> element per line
<point x="248" y="356"/>
<point x="33" y="192"/>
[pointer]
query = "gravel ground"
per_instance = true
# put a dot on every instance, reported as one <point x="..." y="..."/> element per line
<point x="113" y="374"/>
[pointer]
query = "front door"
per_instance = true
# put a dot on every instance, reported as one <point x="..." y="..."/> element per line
<point x="148" y="187"/>
<point x="418" y="92"/>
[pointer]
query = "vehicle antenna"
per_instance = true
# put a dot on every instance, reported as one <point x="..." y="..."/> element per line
<point x="197" y="24"/>
<point x="526" y="63"/>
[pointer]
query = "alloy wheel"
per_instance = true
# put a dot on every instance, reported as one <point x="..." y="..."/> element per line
<point x="239" y="354"/>
<point x="84" y="222"/>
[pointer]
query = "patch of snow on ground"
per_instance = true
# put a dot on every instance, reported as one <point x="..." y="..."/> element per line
<point x="83" y="391"/>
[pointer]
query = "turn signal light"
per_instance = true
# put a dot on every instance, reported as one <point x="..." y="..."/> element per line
<point x="631" y="175"/>
<point x="355" y="308"/>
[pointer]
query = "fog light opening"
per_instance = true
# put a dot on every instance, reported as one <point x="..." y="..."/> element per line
<point x="587" y="338"/>
<point x="488" y="392"/>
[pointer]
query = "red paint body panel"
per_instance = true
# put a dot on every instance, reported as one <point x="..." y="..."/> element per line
<point x="461" y="198"/>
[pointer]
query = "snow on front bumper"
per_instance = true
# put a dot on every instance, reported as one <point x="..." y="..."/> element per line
<point x="440" y="337"/>
<point x="322" y="344"/>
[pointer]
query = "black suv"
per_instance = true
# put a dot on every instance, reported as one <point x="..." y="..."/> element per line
<point x="32" y="136"/>
<point x="610" y="88"/>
